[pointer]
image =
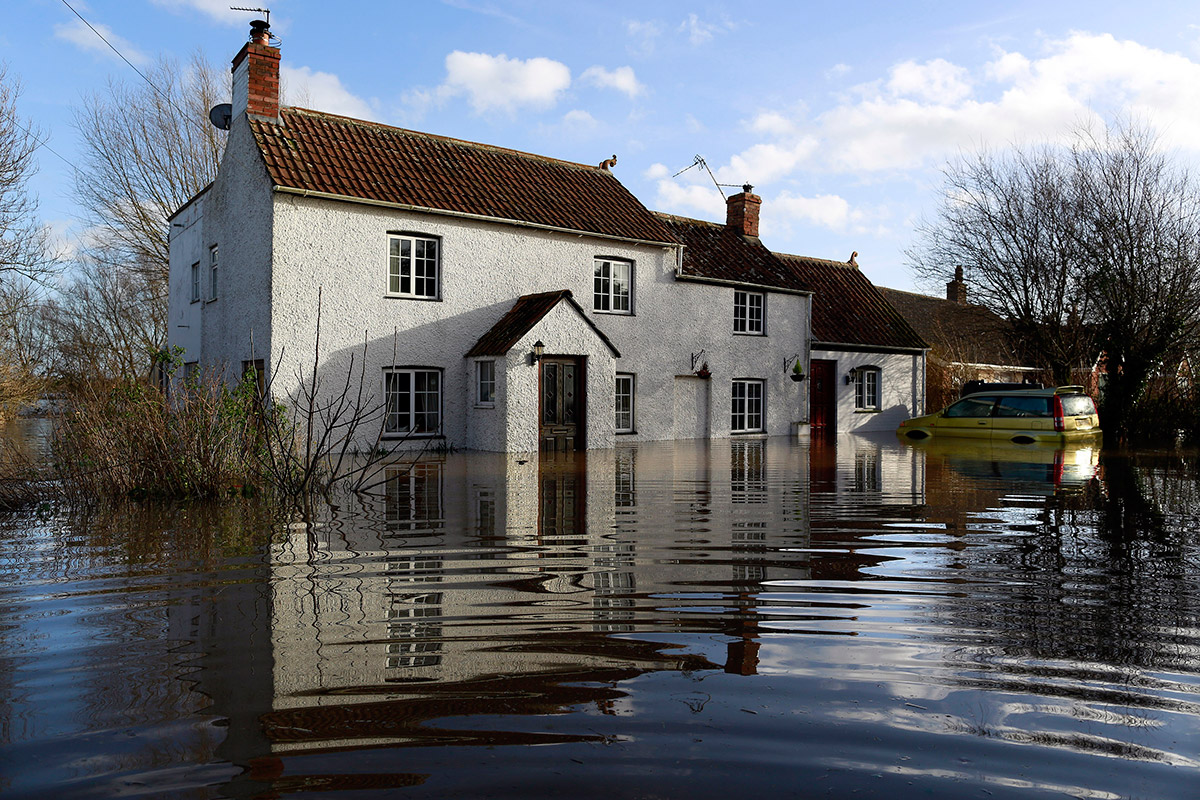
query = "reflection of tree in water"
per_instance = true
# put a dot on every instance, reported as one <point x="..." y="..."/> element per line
<point x="1101" y="576"/>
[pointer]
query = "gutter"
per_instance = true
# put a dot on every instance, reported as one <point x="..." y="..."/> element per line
<point x="841" y="347"/>
<point x="724" y="282"/>
<point x="463" y="215"/>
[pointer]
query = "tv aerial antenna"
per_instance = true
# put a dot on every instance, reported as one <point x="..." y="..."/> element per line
<point x="699" y="161"/>
<point x="262" y="27"/>
<point x="266" y="12"/>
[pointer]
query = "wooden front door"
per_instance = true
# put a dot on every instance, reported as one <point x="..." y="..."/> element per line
<point x="821" y="396"/>
<point x="562" y="404"/>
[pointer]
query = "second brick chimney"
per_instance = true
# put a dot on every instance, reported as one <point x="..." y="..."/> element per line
<point x="256" y="75"/>
<point x="741" y="212"/>
<point x="956" y="290"/>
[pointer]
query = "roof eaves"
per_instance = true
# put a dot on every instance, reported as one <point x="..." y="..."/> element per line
<point x="343" y="198"/>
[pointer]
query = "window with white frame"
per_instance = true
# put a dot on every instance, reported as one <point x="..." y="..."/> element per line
<point x="747" y="406"/>
<point x="196" y="282"/>
<point x="413" y="266"/>
<point x="413" y="401"/>
<point x="612" y="286"/>
<point x="866" y="389"/>
<point x="748" y="316"/>
<point x="624" y="417"/>
<point x="213" y="283"/>
<point x="485" y="383"/>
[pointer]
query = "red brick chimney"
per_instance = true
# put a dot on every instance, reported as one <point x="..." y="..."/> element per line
<point x="956" y="290"/>
<point x="256" y="75"/>
<point x="741" y="212"/>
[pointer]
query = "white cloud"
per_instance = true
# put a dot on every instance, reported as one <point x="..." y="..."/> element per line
<point x="837" y="71"/>
<point x="773" y="123"/>
<point x="83" y="37"/>
<point x="622" y="79"/>
<point x="763" y="163"/>
<point x="690" y="199"/>
<point x="827" y="210"/>
<point x="216" y="9"/>
<point x="500" y="83"/>
<point x="642" y="36"/>
<point x="322" y="91"/>
<point x="699" y="31"/>
<point x="922" y="113"/>
<point x="936" y="81"/>
<point x="579" y="124"/>
<point x="656" y="171"/>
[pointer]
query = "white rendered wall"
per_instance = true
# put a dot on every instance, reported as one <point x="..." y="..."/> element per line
<point x="184" y="318"/>
<point x="901" y="389"/>
<point x="341" y="249"/>
<point x="235" y="216"/>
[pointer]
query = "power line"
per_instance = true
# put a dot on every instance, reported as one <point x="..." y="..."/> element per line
<point x="42" y="143"/>
<point x="112" y="47"/>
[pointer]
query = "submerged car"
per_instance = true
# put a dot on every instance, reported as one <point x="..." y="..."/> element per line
<point x="1025" y="416"/>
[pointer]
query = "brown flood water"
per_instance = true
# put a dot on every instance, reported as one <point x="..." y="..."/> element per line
<point x="692" y="620"/>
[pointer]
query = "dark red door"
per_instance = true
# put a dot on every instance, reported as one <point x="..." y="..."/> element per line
<point x="821" y="396"/>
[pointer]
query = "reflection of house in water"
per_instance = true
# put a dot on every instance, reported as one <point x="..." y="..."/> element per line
<point x="484" y="573"/>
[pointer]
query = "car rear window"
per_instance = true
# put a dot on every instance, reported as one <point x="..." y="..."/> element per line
<point x="972" y="407"/>
<point x="1077" y="405"/>
<point x="1023" y="407"/>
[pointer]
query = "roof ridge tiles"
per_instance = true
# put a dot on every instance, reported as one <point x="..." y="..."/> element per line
<point x="393" y="129"/>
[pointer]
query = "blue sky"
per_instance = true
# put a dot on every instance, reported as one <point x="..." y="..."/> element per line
<point x="840" y="114"/>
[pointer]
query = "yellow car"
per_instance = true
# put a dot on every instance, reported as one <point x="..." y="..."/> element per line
<point x="1024" y="416"/>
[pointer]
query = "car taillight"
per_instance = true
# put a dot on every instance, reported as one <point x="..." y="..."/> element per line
<point x="1060" y="424"/>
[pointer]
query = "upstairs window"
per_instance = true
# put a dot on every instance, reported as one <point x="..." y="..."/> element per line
<point x="196" y="282"/>
<point x="612" y="286"/>
<point x="213" y="283"/>
<point x="413" y="266"/>
<point x="748" y="316"/>
<point x="866" y="389"/>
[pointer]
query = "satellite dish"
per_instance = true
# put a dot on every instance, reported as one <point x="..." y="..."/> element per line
<point x="221" y="115"/>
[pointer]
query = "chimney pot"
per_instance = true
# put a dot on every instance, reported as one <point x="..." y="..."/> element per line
<point x="741" y="212"/>
<point x="256" y="75"/>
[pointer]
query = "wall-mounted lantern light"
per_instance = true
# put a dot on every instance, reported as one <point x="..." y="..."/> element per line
<point x="538" y="349"/>
<point x="849" y="378"/>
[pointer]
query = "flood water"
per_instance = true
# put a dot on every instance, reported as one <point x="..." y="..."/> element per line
<point x="691" y="620"/>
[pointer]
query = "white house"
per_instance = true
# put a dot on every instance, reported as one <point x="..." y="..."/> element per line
<point x="497" y="300"/>
<point x="868" y="363"/>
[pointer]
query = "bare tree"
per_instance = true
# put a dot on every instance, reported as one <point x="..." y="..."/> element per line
<point x="1087" y="248"/>
<point x="107" y="323"/>
<point x="24" y="242"/>
<point x="147" y="150"/>
<point x="1007" y="219"/>
<point x="26" y="255"/>
<point x="1139" y="243"/>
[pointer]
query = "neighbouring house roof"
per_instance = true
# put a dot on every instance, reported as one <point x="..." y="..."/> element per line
<point x="719" y="253"/>
<point x="348" y="158"/>
<point x="959" y="332"/>
<point x="520" y="319"/>
<point x="850" y="310"/>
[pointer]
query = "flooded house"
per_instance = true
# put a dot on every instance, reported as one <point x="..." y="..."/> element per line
<point x="486" y="298"/>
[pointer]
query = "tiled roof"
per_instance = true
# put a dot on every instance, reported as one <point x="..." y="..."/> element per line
<point x="351" y="158"/>
<point x="848" y="308"/>
<point x="718" y="252"/>
<point x="958" y="332"/>
<point x="520" y="319"/>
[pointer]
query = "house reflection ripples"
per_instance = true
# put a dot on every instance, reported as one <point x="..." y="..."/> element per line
<point x="699" y="618"/>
